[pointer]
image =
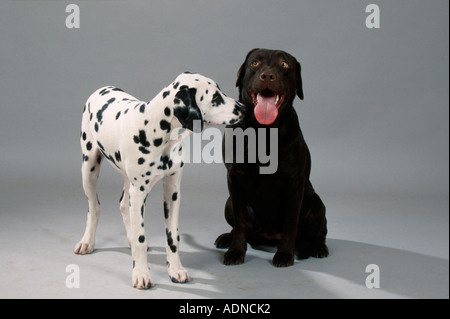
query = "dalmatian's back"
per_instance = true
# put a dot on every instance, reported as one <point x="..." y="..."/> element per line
<point x="120" y="125"/>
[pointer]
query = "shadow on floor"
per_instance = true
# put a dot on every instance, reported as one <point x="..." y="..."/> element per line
<point x="403" y="274"/>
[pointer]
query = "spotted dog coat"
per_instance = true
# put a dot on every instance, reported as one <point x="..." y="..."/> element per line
<point x="136" y="138"/>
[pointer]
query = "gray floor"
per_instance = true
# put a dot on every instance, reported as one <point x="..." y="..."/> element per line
<point x="375" y="116"/>
<point x="406" y="236"/>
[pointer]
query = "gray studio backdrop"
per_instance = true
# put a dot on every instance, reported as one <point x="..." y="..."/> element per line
<point x="375" y="113"/>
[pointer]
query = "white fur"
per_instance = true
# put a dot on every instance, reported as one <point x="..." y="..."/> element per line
<point x="135" y="138"/>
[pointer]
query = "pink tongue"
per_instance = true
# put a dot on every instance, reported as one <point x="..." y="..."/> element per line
<point x="265" y="111"/>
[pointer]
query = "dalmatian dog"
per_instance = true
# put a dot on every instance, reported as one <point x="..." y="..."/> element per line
<point x="141" y="140"/>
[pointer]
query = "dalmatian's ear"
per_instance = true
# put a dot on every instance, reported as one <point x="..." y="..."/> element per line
<point x="186" y="109"/>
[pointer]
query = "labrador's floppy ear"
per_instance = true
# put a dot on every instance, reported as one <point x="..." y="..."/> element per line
<point x="241" y="71"/>
<point x="298" y="79"/>
<point x="186" y="109"/>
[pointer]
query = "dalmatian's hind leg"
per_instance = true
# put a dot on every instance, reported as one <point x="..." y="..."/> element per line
<point x="90" y="169"/>
<point x="125" y="206"/>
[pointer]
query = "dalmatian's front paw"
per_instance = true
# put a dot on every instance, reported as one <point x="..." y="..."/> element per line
<point x="141" y="279"/>
<point x="83" y="248"/>
<point x="179" y="275"/>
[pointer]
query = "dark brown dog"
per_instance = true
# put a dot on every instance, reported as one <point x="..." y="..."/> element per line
<point x="280" y="208"/>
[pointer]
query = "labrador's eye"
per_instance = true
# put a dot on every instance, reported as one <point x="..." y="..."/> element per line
<point x="255" y="63"/>
<point x="284" y="65"/>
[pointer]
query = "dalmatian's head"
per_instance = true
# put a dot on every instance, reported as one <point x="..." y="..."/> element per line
<point x="200" y="98"/>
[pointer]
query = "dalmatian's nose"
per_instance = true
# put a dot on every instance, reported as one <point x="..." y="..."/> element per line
<point x="241" y="107"/>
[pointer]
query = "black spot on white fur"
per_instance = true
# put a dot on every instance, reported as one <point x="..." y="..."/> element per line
<point x="167" y="111"/>
<point x="170" y="243"/>
<point x="157" y="141"/>
<point x="164" y="125"/>
<point x="166" y="210"/>
<point x="166" y="162"/>
<point x="217" y="99"/>
<point x="104" y="107"/>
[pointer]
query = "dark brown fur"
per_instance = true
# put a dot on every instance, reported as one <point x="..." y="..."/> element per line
<point x="280" y="208"/>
